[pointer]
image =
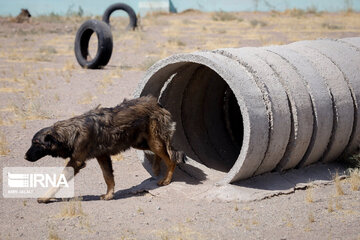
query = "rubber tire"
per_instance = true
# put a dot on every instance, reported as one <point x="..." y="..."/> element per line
<point x="105" y="44"/>
<point x="121" y="6"/>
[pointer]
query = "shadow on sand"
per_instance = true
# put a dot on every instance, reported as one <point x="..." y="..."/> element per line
<point x="183" y="173"/>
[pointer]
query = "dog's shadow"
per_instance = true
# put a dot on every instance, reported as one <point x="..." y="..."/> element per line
<point x="187" y="174"/>
<point x="138" y="190"/>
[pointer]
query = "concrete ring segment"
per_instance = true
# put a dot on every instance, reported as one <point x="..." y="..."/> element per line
<point x="343" y="107"/>
<point x="275" y="98"/>
<point x="321" y="103"/>
<point x="347" y="58"/>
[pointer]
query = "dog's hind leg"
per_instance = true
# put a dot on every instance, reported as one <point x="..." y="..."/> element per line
<point x="159" y="149"/>
<point x="156" y="165"/>
<point x="107" y="169"/>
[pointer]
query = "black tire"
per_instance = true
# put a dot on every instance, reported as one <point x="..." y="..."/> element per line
<point x="105" y="44"/>
<point x="121" y="6"/>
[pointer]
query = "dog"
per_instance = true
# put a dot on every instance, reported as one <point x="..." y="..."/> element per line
<point x="141" y="123"/>
<point x="24" y="16"/>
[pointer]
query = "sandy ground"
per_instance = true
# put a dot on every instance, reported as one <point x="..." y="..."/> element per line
<point x="41" y="83"/>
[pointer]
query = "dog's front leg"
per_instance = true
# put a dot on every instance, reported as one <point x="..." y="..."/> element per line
<point x="106" y="167"/>
<point x="76" y="165"/>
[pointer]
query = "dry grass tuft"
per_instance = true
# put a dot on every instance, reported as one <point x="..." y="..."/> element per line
<point x="53" y="235"/>
<point x="157" y="14"/>
<point x="29" y="89"/>
<point x="141" y="211"/>
<point x="51" y="18"/>
<point x="69" y="65"/>
<point x="311" y="217"/>
<point x="338" y="204"/>
<point x="176" y="42"/>
<point x="87" y="98"/>
<point x="47" y="50"/>
<point x="105" y="82"/>
<point x="330" y="205"/>
<point x="179" y="231"/>
<point x="354" y="179"/>
<point x="45" y="54"/>
<point x="295" y="12"/>
<point x="309" y="195"/>
<point x="29" y="111"/>
<point x="4" y="149"/>
<point x="72" y="208"/>
<point x="223" y="16"/>
<point x="118" y="157"/>
<point x="338" y="187"/>
<point x="148" y="63"/>
<point x="331" y="26"/>
<point x="255" y="23"/>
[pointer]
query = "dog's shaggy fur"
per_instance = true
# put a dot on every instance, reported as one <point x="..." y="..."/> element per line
<point x="24" y="16"/>
<point x="139" y="123"/>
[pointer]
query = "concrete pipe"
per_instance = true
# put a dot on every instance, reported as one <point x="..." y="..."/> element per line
<point x="247" y="111"/>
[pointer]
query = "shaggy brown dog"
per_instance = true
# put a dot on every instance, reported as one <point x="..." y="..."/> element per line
<point x="139" y="123"/>
<point x="24" y="16"/>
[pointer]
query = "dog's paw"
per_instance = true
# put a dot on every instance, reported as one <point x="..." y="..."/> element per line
<point x="43" y="200"/>
<point x="107" y="196"/>
<point x="163" y="182"/>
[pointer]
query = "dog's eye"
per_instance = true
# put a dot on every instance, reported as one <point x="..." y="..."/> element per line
<point x="36" y="142"/>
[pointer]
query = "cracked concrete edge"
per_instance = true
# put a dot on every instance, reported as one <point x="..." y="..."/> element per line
<point x="274" y="184"/>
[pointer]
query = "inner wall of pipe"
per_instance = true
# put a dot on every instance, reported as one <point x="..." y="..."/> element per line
<point x="209" y="122"/>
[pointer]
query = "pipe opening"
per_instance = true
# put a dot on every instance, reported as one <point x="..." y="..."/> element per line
<point x="209" y="121"/>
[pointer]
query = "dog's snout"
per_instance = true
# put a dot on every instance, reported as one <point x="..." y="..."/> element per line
<point x="34" y="153"/>
<point x="26" y="156"/>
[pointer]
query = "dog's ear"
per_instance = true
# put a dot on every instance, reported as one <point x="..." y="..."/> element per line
<point x="49" y="140"/>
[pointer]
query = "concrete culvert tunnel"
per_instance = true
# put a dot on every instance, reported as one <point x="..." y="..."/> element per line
<point x="248" y="111"/>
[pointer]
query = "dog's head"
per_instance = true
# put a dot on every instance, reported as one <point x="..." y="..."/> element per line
<point x="43" y="143"/>
<point x="25" y="13"/>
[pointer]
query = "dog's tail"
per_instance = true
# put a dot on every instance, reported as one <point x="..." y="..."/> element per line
<point x="177" y="156"/>
<point x="166" y="131"/>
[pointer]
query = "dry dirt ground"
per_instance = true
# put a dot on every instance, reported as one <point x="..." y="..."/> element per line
<point x="41" y="82"/>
